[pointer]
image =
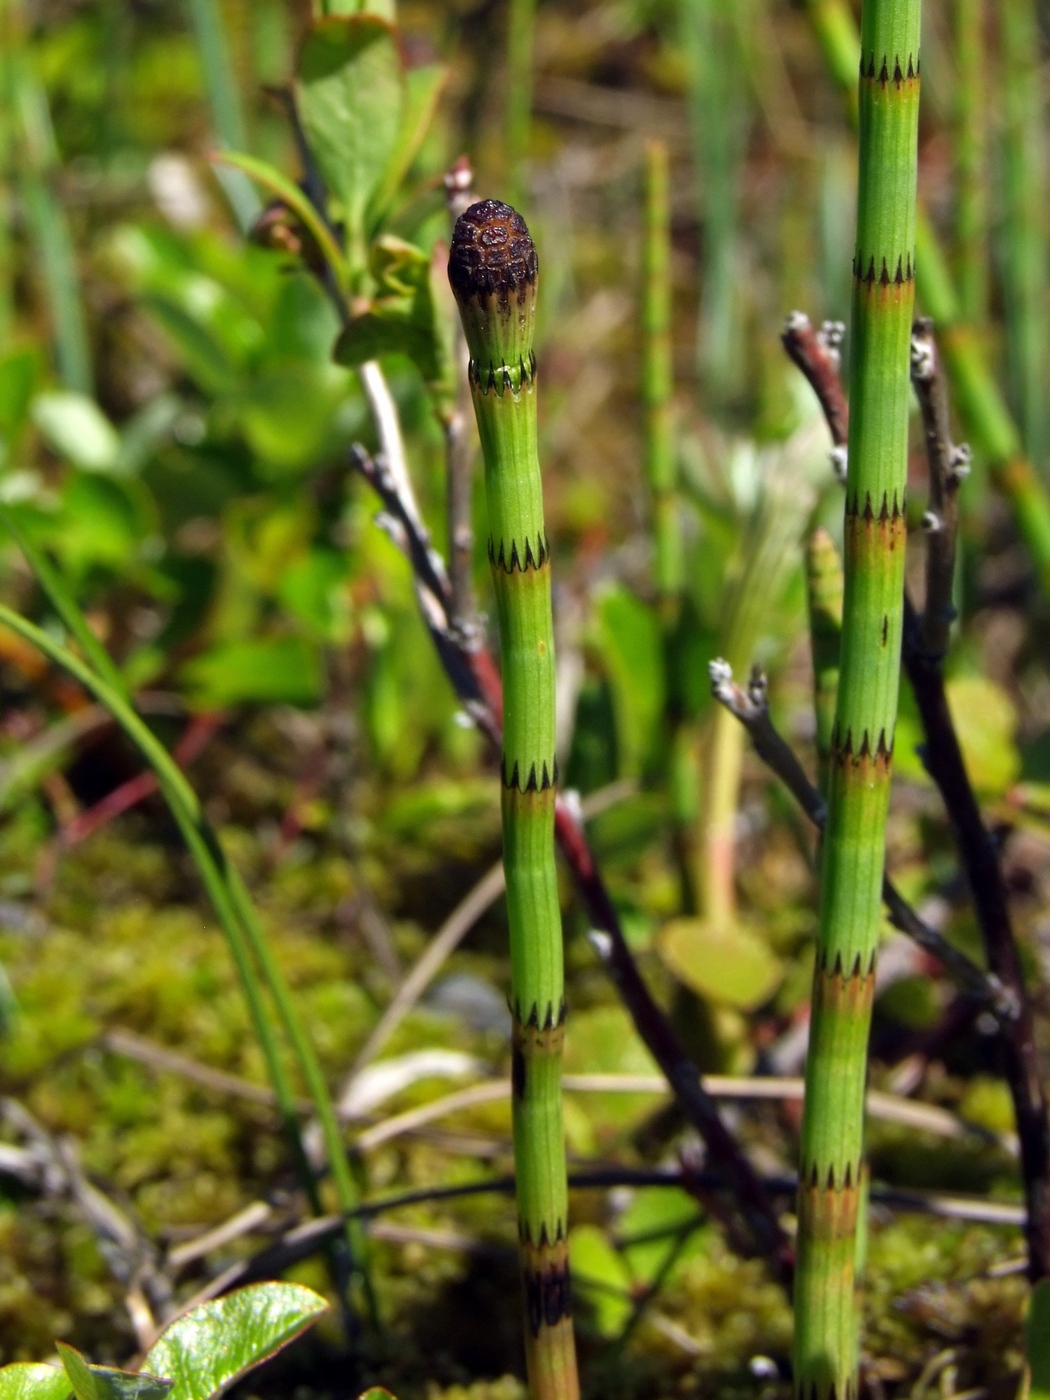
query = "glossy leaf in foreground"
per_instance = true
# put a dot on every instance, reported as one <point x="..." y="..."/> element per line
<point x="29" y="1380"/>
<point x="208" y="1349"/>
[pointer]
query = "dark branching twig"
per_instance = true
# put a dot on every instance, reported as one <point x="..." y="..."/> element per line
<point x="816" y="353"/>
<point x="474" y="676"/>
<point x="301" y="1241"/>
<point x="751" y="707"/>
<point x="925" y="641"/>
<point x="924" y="645"/>
<point x="949" y="466"/>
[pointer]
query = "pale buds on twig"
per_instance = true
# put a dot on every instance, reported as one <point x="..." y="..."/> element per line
<point x="459" y="187"/>
<point x="932" y="522"/>
<point x="839" y="459"/>
<point x="961" y="459"/>
<point x="923" y="355"/>
<point x="747" y="705"/>
<point x="831" y="335"/>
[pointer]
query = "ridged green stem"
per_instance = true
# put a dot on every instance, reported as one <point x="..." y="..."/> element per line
<point x="824" y="587"/>
<point x="658" y="382"/>
<point x="492" y="268"/>
<point x="971" y="159"/>
<point x="520" y="44"/>
<point x="718" y="98"/>
<point x="1025" y="281"/>
<point x="830" y="1172"/>
<point x="990" y="428"/>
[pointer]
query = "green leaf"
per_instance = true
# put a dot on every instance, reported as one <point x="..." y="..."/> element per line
<point x="287" y="191"/>
<point x="27" y="1380"/>
<point x="423" y="89"/>
<point x="106" y="1382"/>
<point x="403" y="318"/>
<point x="377" y="1393"/>
<point x="98" y="525"/>
<point x="386" y="331"/>
<point x="268" y="670"/>
<point x="1037" y="1340"/>
<point x="287" y="415"/>
<point x="730" y="965"/>
<point x="206" y="359"/>
<point x="629" y="640"/>
<point x="18" y="374"/>
<point x="350" y="89"/>
<point x="75" y="427"/>
<point x="603" y="1276"/>
<point x="648" y="1223"/>
<point x="314" y="590"/>
<point x="986" y="723"/>
<point x="208" y="1349"/>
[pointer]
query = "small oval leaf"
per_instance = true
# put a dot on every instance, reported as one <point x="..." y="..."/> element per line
<point x="730" y="965"/>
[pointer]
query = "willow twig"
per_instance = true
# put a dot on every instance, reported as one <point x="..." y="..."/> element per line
<point x="949" y="465"/>
<point x="751" y="708"/>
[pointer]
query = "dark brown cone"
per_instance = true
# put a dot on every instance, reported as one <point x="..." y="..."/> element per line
<point x="492" y="254"/>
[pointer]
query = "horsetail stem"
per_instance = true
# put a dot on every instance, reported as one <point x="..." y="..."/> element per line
<point x="992" y="431"/>
<point x="658" y="381"/>
<point x="521" y="33"/>
<point x="862" y="743"/>
<point x="1024" y="190"/>
<point x="493" y="270"/>
<point x="824" y="600"/>
<point x="971" y="169"/>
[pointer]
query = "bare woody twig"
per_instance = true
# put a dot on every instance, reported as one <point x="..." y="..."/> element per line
<point x="301" y="1241"/>
<point x="751" y="707"/>
<point x="923" y="648"/>
<point x="476" y="680"/>
<point x="949" y="466"/>
<point x="816" y="353"/>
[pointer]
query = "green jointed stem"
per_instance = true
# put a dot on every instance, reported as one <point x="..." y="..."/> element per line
<point x="713" y="35"/>
<point x="492" y="268"/>
<point x="971" y="159"/>
<point x="1024" y="226"/>
<point x="658" y="381"/>
<point x="830" y="1171"/>
<point x="520" y="44"/>
<point x="991" y="430"/>
<point x="824" y="599"/>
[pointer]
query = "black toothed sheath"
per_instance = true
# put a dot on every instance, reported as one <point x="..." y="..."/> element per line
<point x="492" y="269"/>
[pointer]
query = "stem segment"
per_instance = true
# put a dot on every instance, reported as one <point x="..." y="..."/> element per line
<point x="493" y="269"/>
<point x="658" y="382"/>
<point x="858" y="788"/>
